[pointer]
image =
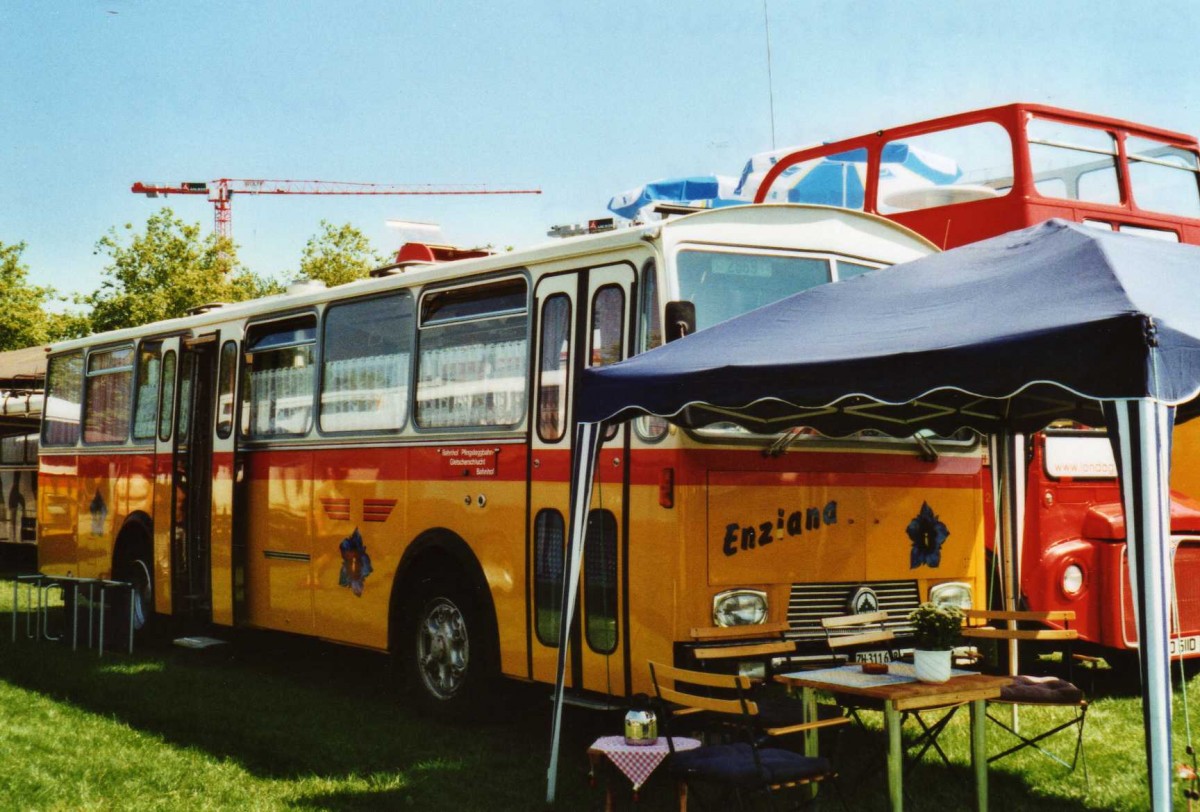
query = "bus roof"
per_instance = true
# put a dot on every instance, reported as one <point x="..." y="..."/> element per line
<point x="785" y="226"/>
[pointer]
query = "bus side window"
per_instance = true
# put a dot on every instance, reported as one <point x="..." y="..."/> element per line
<point x="549" y="536"/>
<point x="608" y="314"/>
<point x="277" y="399"/>
<point x="166" y="406"/>
<point x="148" y="373"/>
<point x="600" y="581"/>
<point x="64" y="399"/>
<point x="472" y="362"/>
<point x="367" y="352"/>
<point x="107" y="403"/>
<point x="226" y="376"/>
<point x="555" y="355"/>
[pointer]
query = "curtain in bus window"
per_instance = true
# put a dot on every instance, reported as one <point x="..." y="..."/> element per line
<point x="472" y="364"/>
<point x="367" y="353"/>
<point x="279" y="397"/>
<point x="64" y="397"/>
<point x="608" y="315"/>
<point x="548" y="539"/>
<point x="1163" y="178"/>
<point x="555" y="357"/>
<point x="146" y="410"/>
<point x="107" y="401"/>
<point x="1074" y="163"/>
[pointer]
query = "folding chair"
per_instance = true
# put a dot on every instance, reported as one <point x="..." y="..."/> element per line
<point x="723" y="649"/>
<point x="738" y="767"/>
<point x="1036" y="690"/>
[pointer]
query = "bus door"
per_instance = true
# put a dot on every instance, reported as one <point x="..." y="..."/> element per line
<point x="583" y="319"/>
<point x="191" y="471"/>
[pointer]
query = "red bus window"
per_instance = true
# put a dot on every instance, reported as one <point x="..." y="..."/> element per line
<point x="1072" y="162"/>
<point x="1162" y="177"/>
<point x="831" y="180"/>
<point x="958" y="165"/>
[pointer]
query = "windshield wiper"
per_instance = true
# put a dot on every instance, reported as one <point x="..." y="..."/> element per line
<point x="783" y="442"/>
<point x="928" y="453"/>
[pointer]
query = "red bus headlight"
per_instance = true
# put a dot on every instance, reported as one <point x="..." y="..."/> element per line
<point x="1072" y="580"/>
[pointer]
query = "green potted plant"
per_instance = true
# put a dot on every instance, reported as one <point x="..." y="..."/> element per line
<point x="937" y="629"/>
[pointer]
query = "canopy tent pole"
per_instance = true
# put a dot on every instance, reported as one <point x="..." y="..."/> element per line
<point x="1008" y="484"/>
<point x="583" y="468"/>
<point x="1143" y="445"/>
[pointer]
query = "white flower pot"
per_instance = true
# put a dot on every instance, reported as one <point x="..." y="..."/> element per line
<point x="932" y="666"/>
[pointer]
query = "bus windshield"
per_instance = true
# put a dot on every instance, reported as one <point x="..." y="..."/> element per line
<point x="724" y="284"/>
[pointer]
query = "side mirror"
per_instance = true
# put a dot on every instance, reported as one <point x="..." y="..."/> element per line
<point x="681" y="320"/>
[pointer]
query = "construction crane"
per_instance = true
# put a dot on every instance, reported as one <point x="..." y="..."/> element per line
<point x="220" y="192"/>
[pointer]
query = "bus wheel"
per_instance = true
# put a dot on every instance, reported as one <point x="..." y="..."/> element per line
<point x="448" y="659"/>
<point x="136" y="571"/>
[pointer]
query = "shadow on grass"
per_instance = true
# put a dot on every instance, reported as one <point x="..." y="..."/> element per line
<point x="291" y="708"/>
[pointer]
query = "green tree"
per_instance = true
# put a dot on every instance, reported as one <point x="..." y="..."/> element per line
<point x="24" y="320"/>
<point x="339" y="254"/>
<point x="165" y="271"/>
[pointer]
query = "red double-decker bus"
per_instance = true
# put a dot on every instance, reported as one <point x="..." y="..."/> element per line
<point x="965" y="177"/>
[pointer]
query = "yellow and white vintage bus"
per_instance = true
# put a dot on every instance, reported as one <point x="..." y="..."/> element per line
<point x="386" y="464"/>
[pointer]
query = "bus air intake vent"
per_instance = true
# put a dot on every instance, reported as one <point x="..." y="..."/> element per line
<point x="811" y="602"/>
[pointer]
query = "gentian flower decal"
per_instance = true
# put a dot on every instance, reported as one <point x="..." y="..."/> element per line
<point x="356" y="564"/>
<point x="927" y="534"/>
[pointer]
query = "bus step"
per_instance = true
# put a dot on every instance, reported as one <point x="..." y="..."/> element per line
<point x="593" y="702"/>
<point x="198" y="641"/>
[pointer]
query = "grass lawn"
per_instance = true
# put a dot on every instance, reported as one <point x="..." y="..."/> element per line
<point x="275" y="722"/>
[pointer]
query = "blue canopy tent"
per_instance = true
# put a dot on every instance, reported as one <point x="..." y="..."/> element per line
<point x="1001" y="336"/>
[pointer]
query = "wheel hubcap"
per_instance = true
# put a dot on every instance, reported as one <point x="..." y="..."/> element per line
<point x="141" y="596"/>
<point x="442" y="648"/>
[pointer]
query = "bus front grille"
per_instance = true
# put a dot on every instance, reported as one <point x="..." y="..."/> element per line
<point x="809" y="603"/>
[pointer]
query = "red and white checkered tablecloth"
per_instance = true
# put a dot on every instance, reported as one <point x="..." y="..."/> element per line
<point x="637" y="761"/>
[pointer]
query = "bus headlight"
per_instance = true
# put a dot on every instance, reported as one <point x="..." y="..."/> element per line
<point x="956" y="593"/>
<point x="740" y="607"/>
<point x="1072" y="580"/>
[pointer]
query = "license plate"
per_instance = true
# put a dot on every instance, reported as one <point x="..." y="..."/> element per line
<point x="873" y="656"/>
<point x="1185" y="645"/>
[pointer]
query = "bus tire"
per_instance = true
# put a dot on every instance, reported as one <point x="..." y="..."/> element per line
<point x="135" y="568"/>
<point x="448" y="657"/>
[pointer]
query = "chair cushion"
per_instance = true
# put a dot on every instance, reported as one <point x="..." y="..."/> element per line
<point x="1045" y="690"/>
<point x="734" y="764"/>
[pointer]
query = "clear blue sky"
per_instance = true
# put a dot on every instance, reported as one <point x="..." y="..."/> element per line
<point x="583" y="100"/>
